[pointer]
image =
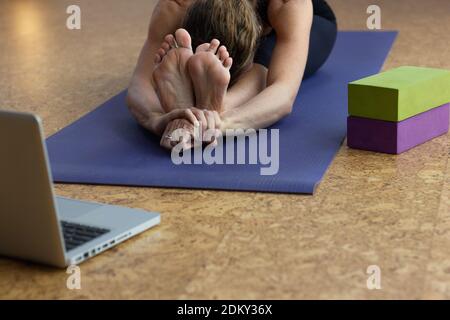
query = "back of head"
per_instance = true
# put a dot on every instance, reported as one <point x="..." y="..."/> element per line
<point x="234" y="22"/>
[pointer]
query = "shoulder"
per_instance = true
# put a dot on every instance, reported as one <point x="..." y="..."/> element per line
<point x="288" y="15"/>
<point x="183" y="3"/>
<point x="277" y="5"/>
<point x="174" y="4"/>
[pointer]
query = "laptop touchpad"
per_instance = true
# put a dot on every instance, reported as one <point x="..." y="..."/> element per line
<point x="72" y="209"/>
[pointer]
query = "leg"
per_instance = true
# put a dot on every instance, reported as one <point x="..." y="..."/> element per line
<point x="322" y="39"/>
<point x="170" y="76"/>
<point x="142" y="98"/>
<point x="321" y="43"/>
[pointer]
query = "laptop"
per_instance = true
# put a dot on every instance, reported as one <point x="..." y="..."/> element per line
<point x="37" y="226"/>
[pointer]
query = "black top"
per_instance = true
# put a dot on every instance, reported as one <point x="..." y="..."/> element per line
<point x="321" y="9"/>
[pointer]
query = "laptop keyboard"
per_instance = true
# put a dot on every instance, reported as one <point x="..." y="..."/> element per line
<point x="76" y="235"/>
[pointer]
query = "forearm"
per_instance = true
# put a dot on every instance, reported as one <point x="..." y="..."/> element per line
<point x="247" y="87"/>
<point x="267" y="108"/>
<point x="144" y="104"/>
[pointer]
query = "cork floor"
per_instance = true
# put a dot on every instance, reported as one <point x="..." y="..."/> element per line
<point x="371" y="209"/>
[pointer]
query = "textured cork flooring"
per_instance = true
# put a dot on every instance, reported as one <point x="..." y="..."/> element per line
<point x="371" y="209"/>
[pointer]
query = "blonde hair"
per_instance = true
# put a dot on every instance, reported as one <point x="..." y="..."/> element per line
<point x="234" y="23"/>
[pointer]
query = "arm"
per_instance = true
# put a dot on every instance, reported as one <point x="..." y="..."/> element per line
<point x="248" y="86"/>
<point x="292" y="21"/>
<point x="142" y="99"/>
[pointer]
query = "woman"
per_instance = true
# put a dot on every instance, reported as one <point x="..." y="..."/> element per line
<point x="250" y="81"/>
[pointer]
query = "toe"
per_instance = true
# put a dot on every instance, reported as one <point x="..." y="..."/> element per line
<point x="223" y="54"/>
<point x="165" y="46"/>
<point x="228" y="63"/>
<point x="203" y="47"/>
<point x="214" y="45"/>
<point x="170" y="39"/>
<point x="183" y="38"/>
<point x="161" y="53"/>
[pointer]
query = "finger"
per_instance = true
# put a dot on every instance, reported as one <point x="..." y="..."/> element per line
<point x="187" y="145"/>
<point x="201" y="118"/>
<point x="165" y="141"/>
<point x="183" y="114"/>
<point x="211" y="126"/>
<point x="165" y="144"/>
<point x="171" y="140"/>
<point x="211" y="119"/>
<point x="211" y="139"/>
<point x="214" y="143"/>
<point x="191" y="117"/>
<point x="186" y="136"/>
<point x="186" y="140"/>
<point x="218" y="120"/>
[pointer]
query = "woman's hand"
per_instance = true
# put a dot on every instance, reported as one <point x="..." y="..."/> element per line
<point x="160" y="121"/>
<point x="185" y="134"/>
<point x="209" y="120"/>
<point x="209" y="128"/>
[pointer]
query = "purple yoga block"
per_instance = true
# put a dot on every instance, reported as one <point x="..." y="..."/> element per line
<point x="397" y="137"/>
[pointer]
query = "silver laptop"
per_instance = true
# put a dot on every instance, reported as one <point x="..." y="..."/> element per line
<point x="34" y="224"/>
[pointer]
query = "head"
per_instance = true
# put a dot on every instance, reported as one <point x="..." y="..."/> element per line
<point x="234" y="23"/>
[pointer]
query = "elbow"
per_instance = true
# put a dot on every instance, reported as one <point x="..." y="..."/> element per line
<point x="287" y="107"/>
<point x="289" y="94"/>
<point x="129" y="100"/>
<point x="133" y="107"/>
<point x="132" y="102"/>
<point x="135" y="92"/>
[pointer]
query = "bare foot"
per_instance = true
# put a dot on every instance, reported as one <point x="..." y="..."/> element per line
<point x="209" y="68"/>
<point x="171" y="77"/>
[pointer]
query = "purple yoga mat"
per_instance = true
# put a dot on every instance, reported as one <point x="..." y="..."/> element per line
<point x="108" y="147"/>
<point x="397" y="137"/>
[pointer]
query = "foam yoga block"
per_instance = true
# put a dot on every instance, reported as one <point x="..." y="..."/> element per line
<point x="399" y="94"/>
<point x="397" y="137"/>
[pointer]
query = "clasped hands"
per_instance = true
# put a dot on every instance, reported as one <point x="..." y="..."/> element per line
<point x="189" y="126"/>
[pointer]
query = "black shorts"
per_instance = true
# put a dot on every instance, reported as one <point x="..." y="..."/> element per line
<point x="322" y="39"/>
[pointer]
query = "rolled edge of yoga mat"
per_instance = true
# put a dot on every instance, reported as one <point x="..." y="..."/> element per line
<point x="397" y="137"/>
<point x="399" y="94"/>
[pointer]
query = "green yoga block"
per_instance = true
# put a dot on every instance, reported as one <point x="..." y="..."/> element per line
<point x="399" y="94"/>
